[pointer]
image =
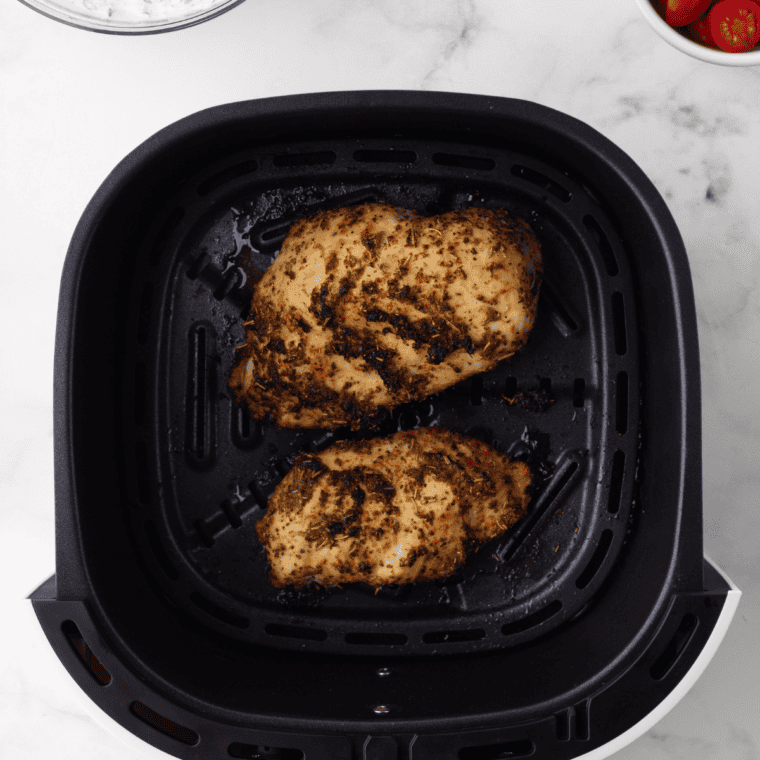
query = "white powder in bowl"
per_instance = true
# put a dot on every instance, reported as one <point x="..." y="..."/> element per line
<point x="137" y="11"/>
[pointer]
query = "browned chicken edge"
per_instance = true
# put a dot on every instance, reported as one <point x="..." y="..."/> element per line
<point x="391" y="315"/>
<point x="400" y="509"/>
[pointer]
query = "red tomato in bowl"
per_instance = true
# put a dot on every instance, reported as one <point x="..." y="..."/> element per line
<point x="682" y="12"/>
<point x="659" y="6"/>
<point x="735" y="25"/>
<point x="699" y="31"/>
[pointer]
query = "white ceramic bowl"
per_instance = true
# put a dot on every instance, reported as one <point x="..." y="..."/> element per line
<point x="131" y="16"/>
<point x="694" y="49"/>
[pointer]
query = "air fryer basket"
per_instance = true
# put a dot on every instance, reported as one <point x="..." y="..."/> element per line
<point x="160" y="476"/>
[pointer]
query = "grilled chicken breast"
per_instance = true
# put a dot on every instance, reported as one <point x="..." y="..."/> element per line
<point x="398" y="509"/>
<point x="371" y="306"/>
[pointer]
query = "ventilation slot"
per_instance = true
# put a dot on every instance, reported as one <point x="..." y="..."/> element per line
<point x="581" y="721"/>
<point x="159" y="245"/>
<point x="141" y="381"/>
<point x="409" y="420"/>
<point x="164" y="725"/>
<point x="476" y="390"/>
<point x="321" y="443"/>
<point x="618" y="324"/>
<point x="260" y="752"/>
<point x="89" y="660"/>
<point x="143" y="315"/>
<point x="542" y="181"/>
<point x="675" y="648"/>
<point x="226" y="286"/>
<point x="244" y="423"/>
<point x="579" y="386"/>
<point x="596" y="560"/>
<point x="275" y="233"/>
<point x="510" y="387"/>
<point x="562" y="320"/>
<point x="385" y="156"/>
<point x="603" y="244"/>
<point x="231" y="514"/>
<point x="295" y="632"/>
<point x="206" y="538"/>
<point x="245" y="432"/>
<point x="452" y="580"/>
<point x="305" y="159"/>
<point x="198" y="265"/>
<point x="227" y="175"/>
<point x="521" y="748"/>
<point x="561" y="483"/>
<point x="258" y="494"/>
<point x="443" y="637"/>
<point x="158" y="550"/>
<point x="562" y="721"/>
<point x="200" y="438"/>
<point x="508" y="629"/>
<point x="266" y="237"/>
<point x="381" y="639"/>
<point x="141" y="473"/>
<point x="616" y="482"/>
<point x="544" y="503"/>
<point x="464" y="162"/>
<point x="621" y="401"/>
<point x="218" y="612"/>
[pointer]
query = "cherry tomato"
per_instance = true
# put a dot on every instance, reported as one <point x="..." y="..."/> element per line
<point x="682" y="12"/>
<point x="659" y="6"/>
<point x="735" y="25"/>
<point x="699" y="31"/>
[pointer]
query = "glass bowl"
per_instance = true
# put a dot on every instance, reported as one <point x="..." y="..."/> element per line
<point x="131" y="16"/>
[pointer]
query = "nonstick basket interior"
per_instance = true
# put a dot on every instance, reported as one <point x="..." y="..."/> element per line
<point x="200" y="470"/>
<point x="160" y="477"/>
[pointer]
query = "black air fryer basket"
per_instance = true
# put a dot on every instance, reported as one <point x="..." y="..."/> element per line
<point x="561" y="638"/>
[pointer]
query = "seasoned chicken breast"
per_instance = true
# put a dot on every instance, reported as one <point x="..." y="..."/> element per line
<point x="398" y="509"/>
<point x="371" y="306"/>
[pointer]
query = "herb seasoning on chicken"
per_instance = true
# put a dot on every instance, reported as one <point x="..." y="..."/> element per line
<point x="372" y="306"/>
<point x="398" y="509"/>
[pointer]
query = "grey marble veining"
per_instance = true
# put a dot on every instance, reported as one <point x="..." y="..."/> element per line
<point x="72" y="104"/>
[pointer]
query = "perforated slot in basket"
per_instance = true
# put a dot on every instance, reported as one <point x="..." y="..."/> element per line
<point x="597" y="558"/>
<point x="295" y="632"/>
<point x="464" y="162"/>
<point x="675" y="647"/>
<point x="305" y="159"/>
<point x="385" y="156"/>
<point x="85" y="654"/>
<point x="531" y="621"/>
<point x="542" y="181"/>
<point x="164" y="725"/>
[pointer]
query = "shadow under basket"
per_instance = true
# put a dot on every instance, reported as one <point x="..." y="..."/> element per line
<point x="551" y="641"/>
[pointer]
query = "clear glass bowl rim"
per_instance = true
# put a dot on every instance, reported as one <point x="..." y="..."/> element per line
<point x="78" y="21"/>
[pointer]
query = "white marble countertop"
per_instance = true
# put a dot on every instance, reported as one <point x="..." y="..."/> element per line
<point x="73" y="103"/>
